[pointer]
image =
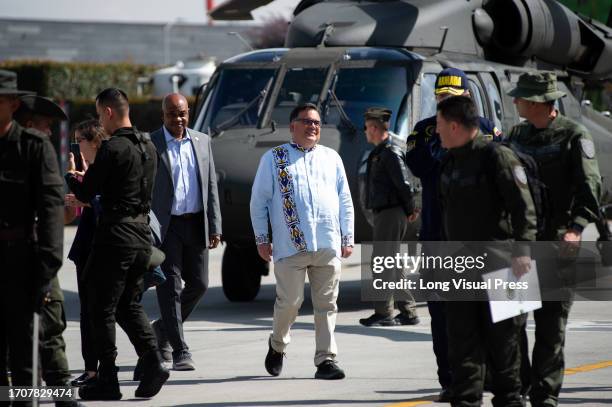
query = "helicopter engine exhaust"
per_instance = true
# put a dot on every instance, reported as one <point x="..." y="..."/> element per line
<point x="545" y="30"/>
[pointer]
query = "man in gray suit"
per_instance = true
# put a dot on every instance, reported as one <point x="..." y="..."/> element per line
<point x="186" y="202"/>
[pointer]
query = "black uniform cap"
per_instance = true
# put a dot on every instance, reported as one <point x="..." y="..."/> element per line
<point x="8" y="84"/>
<point x="378" y="113"/>
<point x="42" y="106"/>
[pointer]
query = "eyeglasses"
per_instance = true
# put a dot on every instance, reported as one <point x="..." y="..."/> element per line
<point x="309" y="122"/>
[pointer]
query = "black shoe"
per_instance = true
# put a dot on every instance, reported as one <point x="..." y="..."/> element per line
<point x="378" y="320"/>
<point x="82" y="380"/>
<point x="154" y="375"/>
<point x="162" y="340"/>
<point x="105" y="386"/>
<point x="182" y="360"/>
<point x="444" y="396"/>
<point x="274" y="360"/>
<point x="403" y="319"/>
<point x="329" y="370"/>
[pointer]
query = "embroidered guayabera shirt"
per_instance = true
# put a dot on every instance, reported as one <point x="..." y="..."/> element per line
<point x="305" y="196"/>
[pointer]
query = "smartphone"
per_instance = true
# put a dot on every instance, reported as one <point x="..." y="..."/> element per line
<point x="75" y="149"/>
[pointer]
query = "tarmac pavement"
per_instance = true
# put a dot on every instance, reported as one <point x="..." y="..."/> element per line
<point x="392" y="366"/>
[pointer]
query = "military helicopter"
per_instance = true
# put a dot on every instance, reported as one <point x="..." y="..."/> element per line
<point x="348" y="55"/>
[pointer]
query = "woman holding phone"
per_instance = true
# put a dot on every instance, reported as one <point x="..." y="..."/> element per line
<point x="89" y="135"/>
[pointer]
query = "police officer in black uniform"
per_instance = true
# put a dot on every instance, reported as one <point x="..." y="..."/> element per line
<point x="389" y="194"/>
<point x="424" y="153"/>
<point x="484" y="197"/>
<point x="31" y="230"/>
<point x="123" y="175"/>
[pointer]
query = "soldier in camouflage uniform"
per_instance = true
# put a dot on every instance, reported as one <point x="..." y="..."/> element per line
<point x="565" y="154"/>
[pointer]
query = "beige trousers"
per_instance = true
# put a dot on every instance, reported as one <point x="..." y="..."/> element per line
<point x="323" y="268"/>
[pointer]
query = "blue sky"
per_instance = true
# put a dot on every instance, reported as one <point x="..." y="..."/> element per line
<point x="192" y="11"/>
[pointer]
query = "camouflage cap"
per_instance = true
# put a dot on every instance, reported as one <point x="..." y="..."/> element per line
<point x="378" y="113"/>
<point x="42" y="106"/>
<point x="537" y="87"/>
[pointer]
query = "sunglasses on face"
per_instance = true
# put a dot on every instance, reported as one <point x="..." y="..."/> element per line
<point x="309" y="122"/>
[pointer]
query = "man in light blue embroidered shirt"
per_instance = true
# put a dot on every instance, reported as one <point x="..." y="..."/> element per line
<point x="301" y="189"/>
<point x="186" y="203"/>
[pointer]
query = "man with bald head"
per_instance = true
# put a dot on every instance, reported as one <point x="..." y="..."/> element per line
<point x="186" y="202"/>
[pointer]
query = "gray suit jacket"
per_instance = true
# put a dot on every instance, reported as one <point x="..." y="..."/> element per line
<point x="163" y="192"/>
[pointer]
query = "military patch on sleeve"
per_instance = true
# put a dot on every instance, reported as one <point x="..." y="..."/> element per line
<point x="488" y="137"/>
<point x="410" y="145"/>
<point x="520" y="175"/>
<point x="588" y="148"/>
<point x="497" y="132"/>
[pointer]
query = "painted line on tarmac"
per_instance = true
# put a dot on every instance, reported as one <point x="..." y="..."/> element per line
<point x="568" y="371"/>
<point x="588" y="368"/>
<point x="410" y="403"/>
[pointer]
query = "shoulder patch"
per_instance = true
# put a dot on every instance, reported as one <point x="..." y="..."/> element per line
<point x="430" y="130"/>
<point x="488" y="137"/>
<point x="519" y="174"/>
<point x="588" y="148"/>
<point x="497" y="132"/>
<point x="410" y="145"/>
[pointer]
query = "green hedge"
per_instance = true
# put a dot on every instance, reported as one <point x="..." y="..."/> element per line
<point x="145" y="114"/>
<point x="76" y="80"/>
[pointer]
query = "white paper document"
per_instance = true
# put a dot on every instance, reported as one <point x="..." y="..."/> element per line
<point x="506" y="302"/>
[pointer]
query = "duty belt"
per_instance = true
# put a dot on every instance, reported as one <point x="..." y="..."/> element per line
<point x="7" y="235"/>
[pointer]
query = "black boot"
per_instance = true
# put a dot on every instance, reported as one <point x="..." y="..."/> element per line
<point x="154" y="375"/>
<point x="138" y="370"/>
<point x="104" y="387"/>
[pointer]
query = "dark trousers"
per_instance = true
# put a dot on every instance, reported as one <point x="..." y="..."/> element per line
<point x="548" y="362"/>
<point x="16" y="313"/>
<point x="439" y="338"/>
<point x="186" y="252"/>
<point x="114" y="279"/>
<point x="390" y="227"/>
<point x="88" y="350"/>
<point x="55" y="370"/>
<point x="471" y="335"/>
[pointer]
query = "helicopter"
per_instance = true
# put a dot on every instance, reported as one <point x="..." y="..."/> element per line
<point x="348" y="55"/>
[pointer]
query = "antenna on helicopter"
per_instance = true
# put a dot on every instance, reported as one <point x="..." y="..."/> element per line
<point x="445" y="28"/>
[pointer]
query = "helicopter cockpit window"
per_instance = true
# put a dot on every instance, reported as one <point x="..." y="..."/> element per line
<point x="476" y="93"/>
<point x="235" y="90"/>
<point x="357" y="89"/>
<point x="300" y="85"/>
<point x="428" y="101"/>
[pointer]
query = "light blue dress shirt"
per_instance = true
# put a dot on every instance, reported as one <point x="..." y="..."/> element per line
<point x="185" y="174"/>
<point x="305" y="196"/>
